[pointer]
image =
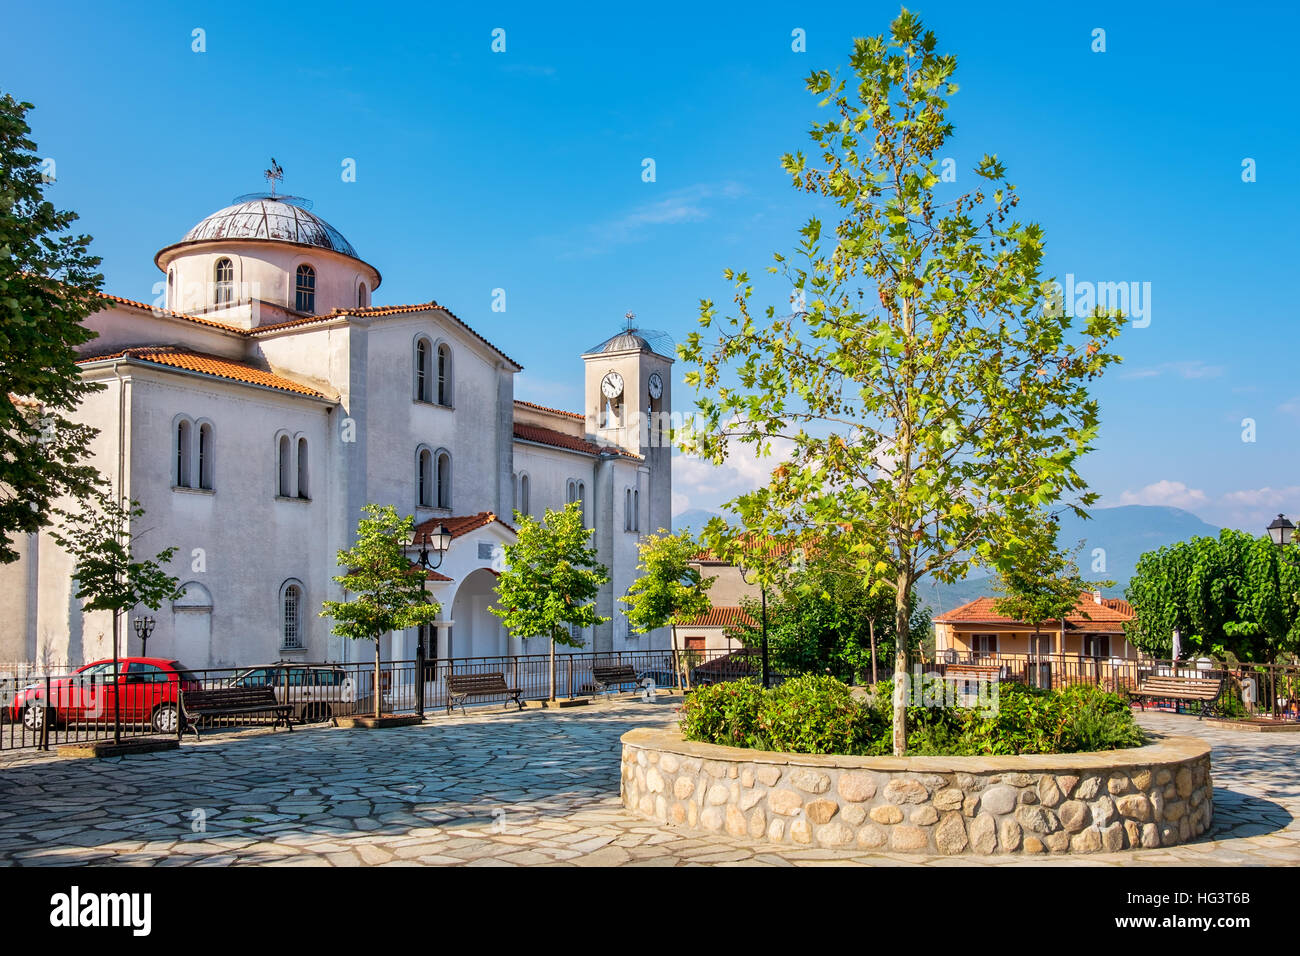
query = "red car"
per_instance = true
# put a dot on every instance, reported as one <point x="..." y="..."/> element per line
<point x="147" y="690"/>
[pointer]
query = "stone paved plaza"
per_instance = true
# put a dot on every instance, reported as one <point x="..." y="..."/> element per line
<point x="496" y="788"/>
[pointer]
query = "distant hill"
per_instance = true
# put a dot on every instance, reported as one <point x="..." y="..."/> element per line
<point x="694" y="520"/>
<point x="1124" y="533"/>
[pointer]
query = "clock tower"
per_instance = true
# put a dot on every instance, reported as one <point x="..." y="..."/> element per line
<point x="628" y="404"/>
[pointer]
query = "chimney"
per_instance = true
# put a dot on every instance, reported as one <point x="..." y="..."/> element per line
<point x="1096" y="597"/>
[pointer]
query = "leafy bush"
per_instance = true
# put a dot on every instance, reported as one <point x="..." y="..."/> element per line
<point x="818" y="714"/>
<point x="724" y="714"/>
<point x="815" y="714"/>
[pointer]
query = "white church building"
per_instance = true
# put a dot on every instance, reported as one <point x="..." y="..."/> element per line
<point x="256" y="410"/>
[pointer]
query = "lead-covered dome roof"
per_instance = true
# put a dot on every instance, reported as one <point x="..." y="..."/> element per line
<point x="278" y="218"/>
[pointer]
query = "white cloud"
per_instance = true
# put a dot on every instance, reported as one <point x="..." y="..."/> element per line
<point x="1173" y="494"/>
<point x="701" y="484"/>
<point x="689" y="204"/>
<point x="1195" y="369"/>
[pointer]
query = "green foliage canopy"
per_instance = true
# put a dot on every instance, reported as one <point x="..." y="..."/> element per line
<point x="387" y="589"/>
<point x="551" y="579"/>
<point x="670" y="589"/>
<point x="932" y="401"/>
<point x="1235" y="594"/>
<point x="48" y="285"/>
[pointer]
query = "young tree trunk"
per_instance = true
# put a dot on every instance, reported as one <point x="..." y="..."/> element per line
<point x="871" y="628"/>
<point x="900" y="664"/>
<point x="378" y="638"/>
<point x="552" y="667"/>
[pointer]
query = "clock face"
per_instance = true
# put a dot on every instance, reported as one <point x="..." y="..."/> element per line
<point x="612" y="385"/>
<point x="656" y="385"/>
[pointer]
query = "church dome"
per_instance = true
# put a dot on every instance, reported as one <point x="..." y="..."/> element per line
<point x="279" y="218"/>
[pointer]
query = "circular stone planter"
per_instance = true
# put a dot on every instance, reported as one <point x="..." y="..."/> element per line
<point x="1152" y="796"/>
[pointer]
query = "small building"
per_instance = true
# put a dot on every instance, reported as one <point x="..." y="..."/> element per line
<point x="715" y="632"/>
<point x="1094" y="629"/>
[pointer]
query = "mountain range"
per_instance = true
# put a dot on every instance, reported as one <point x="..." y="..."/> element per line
<point x="1109" y="543"/>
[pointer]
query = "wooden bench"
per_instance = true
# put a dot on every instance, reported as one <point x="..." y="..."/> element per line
<point x="463" y="686"/>
<point x="611" y="676"/>
<point x="986" y="672"/>
<point x="228" y="702"/>
<point x="1203" y="690"/>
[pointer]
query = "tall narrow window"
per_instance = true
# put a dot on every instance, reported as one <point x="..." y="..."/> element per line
<point x="291" y="607"/>
<point x="424" y="478"/>
<point x="444" y="375"/>
<point x="306" y="300"/>
<point x="183" y="433"/>
<point x="582" y="500"/>
<point x="283" y="466"/>
<point x="363" y="296"/>
<point x="302" y="469"/>
<point x="205" y="457"/>
<point x="636" y="511"/>
<point x="224" y="287"/>
<point x="523" y="494"/>
<point x="444" y="480"/>
<point x="627" y="509"/>
<point x="422" y="370"/>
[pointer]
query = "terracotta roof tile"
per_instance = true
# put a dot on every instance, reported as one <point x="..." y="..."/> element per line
<point x="549" y="436"/>
<point x="722" y="615"/>
<point x="174" y="315"/>
<point x="383" y="310"/>
<point x="205" y="364"/>
<point x="1099" y="617"/>
<point x="460" y="525"/>
<point x="553" y="411"/>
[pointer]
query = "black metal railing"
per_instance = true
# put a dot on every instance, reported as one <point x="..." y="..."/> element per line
<point x="67" y="706"/>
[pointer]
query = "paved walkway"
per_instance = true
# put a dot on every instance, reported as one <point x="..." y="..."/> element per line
<point x="494" y="789"/>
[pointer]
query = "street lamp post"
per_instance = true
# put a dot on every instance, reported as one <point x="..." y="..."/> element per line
<point x="439" y="541"/>
<point x="1280" y="531"/>
<point x="143" y="628"/>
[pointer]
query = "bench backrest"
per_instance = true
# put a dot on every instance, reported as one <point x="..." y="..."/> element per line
<point x="228" y="697"/>
<point x="477" y="683"/>
<point x="977" y="671"/>
<point x="609" y="675"/>
<point x="1183" y="685"/>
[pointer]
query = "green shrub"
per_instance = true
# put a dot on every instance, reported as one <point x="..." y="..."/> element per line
<point x="818" y="714"/>
<point x="815" y="714"/>
<point x="724" y="714"/>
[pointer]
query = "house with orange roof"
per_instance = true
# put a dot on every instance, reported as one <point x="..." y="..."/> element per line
<point x="264" y="396"/>
<point x="1094" y="629"/>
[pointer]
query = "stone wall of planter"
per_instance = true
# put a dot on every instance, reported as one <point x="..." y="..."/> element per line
<point x="1153" y="796"/>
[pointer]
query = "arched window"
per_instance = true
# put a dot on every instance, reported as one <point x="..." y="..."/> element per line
<point x="582" y="499"/>
<point x="627" y="509"/>
<point x="171" y="288"/>
<point x="306" y="299"/>
<point x="444" y="480"/>
<point x="423" y="379"/>
<point x="444" y="375"/>
<point x="363" y="296"/>
<point x="205" y="456"/>
<point x="523" y="494"/>
<point x="636" y="511"/>
<point x="424" y="478"/>
<point x="291" y="615"/>
<point x="284" y="467"/>
<point x="302" y="469"/>
<point x="184" y="432"/>
<point x="224" y="286"/>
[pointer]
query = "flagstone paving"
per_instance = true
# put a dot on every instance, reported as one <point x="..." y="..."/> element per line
<point x="496" y="789"/>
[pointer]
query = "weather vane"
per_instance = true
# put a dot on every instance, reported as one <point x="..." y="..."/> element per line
<point x="631" y="317"/>
<point x="273" y="175"/>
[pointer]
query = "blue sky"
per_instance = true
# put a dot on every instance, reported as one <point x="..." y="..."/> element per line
<point x="522" y="170"/>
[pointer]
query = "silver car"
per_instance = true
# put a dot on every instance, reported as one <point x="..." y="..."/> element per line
<point x="317" y="691"/>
